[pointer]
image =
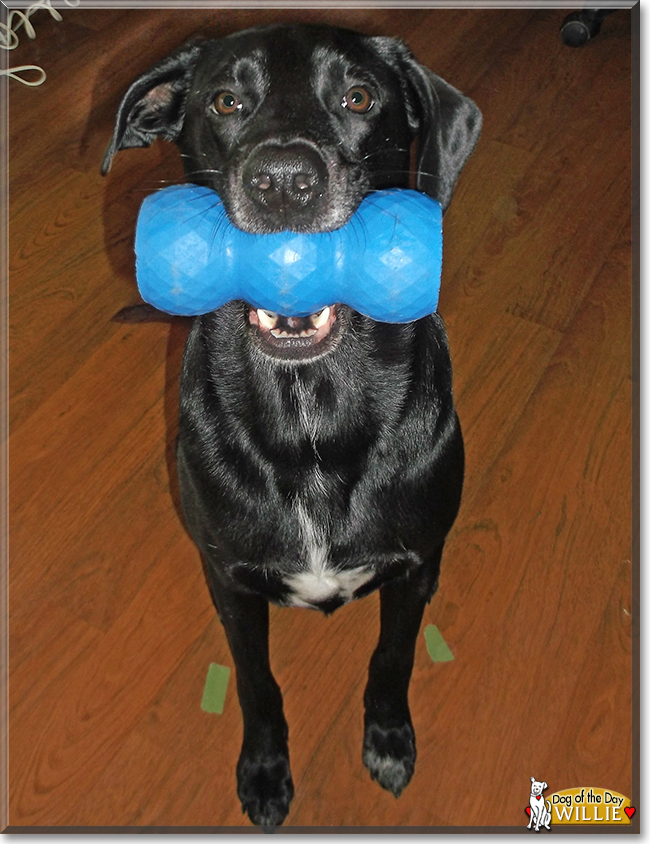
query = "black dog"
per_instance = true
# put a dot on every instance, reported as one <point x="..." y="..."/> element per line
<point x="319" y="458"/>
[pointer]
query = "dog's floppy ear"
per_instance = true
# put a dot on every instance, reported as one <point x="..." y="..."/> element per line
<point x="154" y="105"/>
<point x="450" y="127"/>
<point x="447" y="122"/>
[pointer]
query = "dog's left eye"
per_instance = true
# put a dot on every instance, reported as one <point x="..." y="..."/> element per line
<point x="358" y="99"/>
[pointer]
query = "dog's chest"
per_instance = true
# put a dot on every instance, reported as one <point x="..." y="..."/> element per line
<point x="317" y="582"/>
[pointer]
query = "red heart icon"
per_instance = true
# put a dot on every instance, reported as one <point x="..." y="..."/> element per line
<point x="629" y="811"/>
<point x="528" y="810"/>
<point x="539" y="796"/>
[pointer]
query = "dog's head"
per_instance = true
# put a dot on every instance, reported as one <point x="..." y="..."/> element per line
<point x="536" y="787"/>
<point x="292" y="125"/>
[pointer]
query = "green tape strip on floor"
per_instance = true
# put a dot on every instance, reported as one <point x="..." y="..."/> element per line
<point x="437" y="648"/>
<point x="214" y="692"/>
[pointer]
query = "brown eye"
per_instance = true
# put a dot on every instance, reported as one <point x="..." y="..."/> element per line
<point x="358" y="99"/>
<point x="226" y="103"/>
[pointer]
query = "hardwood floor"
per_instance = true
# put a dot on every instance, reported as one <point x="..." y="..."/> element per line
<point x="111" y="628"/>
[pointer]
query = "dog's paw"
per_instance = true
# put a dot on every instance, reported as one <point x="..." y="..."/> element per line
<point x="389" y="755"/>
<point x="265" y="788"/>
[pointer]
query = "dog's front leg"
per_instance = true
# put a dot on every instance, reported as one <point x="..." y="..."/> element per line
<point x="389" y="738"/>
<point x="264" y="782"/>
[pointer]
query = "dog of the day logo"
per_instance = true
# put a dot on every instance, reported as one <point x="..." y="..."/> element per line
<point x="582" y="806"/>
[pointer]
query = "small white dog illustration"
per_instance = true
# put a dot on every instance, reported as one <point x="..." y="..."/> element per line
<point x="540" y="810"/>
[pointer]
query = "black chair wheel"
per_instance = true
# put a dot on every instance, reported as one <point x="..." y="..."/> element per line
<point x="576" y="31"/>
<point x="580" y="27"/>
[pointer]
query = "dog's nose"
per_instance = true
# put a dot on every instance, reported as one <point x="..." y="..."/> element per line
<point x="285" y="178"/>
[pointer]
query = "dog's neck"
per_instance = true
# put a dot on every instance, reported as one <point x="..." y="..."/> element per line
<point x="353" y="405"/>
<point x="293" y="403"/>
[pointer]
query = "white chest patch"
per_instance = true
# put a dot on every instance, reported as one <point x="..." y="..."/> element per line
<point x="319" y="581"/>
<point x="309" y="589"/>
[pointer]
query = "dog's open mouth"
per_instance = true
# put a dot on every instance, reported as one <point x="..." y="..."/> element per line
<point x="294" y="337"/>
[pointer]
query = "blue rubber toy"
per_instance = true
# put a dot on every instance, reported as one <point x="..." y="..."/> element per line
<point x="385" y="262"/>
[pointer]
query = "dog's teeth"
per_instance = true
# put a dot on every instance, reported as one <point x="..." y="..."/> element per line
<point x="320" y="319"/>
<point x="278" y="333"/>
<point x="267" y="318"/>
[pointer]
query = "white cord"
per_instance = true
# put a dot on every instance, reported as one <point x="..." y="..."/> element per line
<point x="9" y="38"/>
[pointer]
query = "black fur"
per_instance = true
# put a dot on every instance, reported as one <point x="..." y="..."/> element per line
<point x="297" y="456"/>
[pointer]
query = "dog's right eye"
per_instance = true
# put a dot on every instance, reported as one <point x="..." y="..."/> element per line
<point x="226" y="103"/>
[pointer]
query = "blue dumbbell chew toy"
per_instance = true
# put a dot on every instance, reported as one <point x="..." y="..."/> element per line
<point x="385" y="262"/>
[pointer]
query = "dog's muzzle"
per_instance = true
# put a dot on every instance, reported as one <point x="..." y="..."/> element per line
<point x="287" y="184"/>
